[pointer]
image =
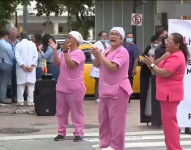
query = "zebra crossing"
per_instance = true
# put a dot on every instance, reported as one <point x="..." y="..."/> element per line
<point x="147" y="140"/>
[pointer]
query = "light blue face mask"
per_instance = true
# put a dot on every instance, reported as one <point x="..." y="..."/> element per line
<point x="104" y="41"/>
<point x="129" y="40"/>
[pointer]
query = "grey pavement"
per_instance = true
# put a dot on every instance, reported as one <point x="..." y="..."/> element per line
<point x="147" y="141"/>
<point x="138" y="136"/>
<point x="48" y="124"/>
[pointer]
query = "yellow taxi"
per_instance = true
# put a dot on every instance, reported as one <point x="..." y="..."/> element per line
<point x="90" y="82"/>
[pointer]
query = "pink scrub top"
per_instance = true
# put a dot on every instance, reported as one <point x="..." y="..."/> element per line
<point x="110" y="82"/>
<point x="171" y="88"/>
<point x="71" y="80"/>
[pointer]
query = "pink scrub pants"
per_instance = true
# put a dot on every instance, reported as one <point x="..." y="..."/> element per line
<point x="170" y="124"/>
<point x="72" y="102"/>
<point x="112" y="115"/>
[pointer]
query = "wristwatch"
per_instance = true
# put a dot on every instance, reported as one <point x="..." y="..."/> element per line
<point x="152" y="65"/>
<point x="65" y="51"/>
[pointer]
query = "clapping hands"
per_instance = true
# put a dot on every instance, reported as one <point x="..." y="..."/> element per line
<point x="148" y="60"/>
<point x="96" y="51"/>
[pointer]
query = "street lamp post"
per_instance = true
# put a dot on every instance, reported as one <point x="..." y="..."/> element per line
<point x="25" y="16"/>
<point x="16" y="21"/>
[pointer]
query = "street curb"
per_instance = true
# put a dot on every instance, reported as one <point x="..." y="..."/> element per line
<point x="48" y="136"/>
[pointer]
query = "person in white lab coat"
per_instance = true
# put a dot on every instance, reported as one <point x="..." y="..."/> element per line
<point x="26" y="56"/>
<point x="94" y="73"/>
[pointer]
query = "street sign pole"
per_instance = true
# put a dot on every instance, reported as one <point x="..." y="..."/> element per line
<point x="134" y="28"/>
<point x="25" y="16"/>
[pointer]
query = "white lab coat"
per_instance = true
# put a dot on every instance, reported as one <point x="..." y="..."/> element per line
<point x="26" y="54"/>
<point x="95" y="71"/>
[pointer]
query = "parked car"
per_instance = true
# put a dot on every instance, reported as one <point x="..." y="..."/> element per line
<point x="90" y="82"/>
<point x="61" y="42"/>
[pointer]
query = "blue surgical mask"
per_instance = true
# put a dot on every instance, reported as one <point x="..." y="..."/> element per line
<point x="129" y="40"/>
<point x="104" y="41"/>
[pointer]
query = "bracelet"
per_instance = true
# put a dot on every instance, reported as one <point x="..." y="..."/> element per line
<point x="65" y="51"/>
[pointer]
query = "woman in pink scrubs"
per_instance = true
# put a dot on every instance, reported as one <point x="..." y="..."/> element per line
<point x="114" y="90"/>
<point x="170" y="70"/>
<point x="70" y="87"/>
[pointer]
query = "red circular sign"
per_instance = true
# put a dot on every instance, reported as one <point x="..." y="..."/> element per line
<point x="136" y="19"/>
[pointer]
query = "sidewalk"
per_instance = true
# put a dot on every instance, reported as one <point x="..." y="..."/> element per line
<point x="48" y="125"/>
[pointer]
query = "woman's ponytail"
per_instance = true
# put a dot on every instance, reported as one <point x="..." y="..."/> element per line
<point x="186" y="53"/>
<point x="178" y="38"/>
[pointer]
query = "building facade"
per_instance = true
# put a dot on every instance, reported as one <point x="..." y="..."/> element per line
<point x="110" y="13"/>
<point x="36" y="24"/>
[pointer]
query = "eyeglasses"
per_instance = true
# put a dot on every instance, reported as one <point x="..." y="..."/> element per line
<point x="114" y="35"/>
<point x="167" y="41"/>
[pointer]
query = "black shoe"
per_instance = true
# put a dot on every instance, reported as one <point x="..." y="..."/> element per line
<point x="188" y="130"/>
<point x="59" y="138"/>
<point x="78" y="138"/>
<point x="14" y="100"/>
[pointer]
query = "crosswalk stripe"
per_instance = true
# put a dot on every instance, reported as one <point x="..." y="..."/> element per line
<point x="144" y="133"/>
<point x="153" y="144"/>
<point x="146" y="137"/>
<point x="95" y="134"/>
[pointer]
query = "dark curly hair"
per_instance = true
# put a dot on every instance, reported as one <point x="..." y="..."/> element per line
<point x="3" y="32"/>
<point x="45" y="41"/>
<point x="100" y="34"/>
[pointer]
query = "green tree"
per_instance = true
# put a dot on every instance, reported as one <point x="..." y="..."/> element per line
<point x="7" y="8"/>
<point x="82" y="26"/>
<point x="81" y="13"/>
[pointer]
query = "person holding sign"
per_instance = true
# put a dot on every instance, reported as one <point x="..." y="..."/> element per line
<point x="114" y="91"/>
<point x="170" y="70"/>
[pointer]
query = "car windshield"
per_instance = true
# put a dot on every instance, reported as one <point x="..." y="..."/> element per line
<point x="61" y="42"/>
<point x="88" y="55"/>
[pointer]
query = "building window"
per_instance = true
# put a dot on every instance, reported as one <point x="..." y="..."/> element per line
<point x="60" y="29"/>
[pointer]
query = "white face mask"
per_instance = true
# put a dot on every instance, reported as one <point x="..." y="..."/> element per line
<point x="154" y="45"/>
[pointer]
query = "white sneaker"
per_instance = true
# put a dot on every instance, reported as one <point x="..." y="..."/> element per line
<point x="108" y="148"/>
<point x="20" y="104"/>
<point x="96" y="147"/>
<point x="30" y="104"/>
<point x="97" y="100"/>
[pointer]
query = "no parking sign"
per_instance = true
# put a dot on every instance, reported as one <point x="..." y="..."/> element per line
<point x="136" y="19"/>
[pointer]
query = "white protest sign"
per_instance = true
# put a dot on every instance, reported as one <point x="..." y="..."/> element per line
<point x="184" y="109"/>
